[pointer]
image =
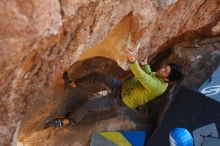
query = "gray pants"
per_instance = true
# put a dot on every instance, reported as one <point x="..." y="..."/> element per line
<point x="99" y="108"/>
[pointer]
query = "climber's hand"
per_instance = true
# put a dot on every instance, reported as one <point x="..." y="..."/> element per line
<point x="73" y="84"/>
<point x="131" y="55"/>
<point x="144" y="62"/>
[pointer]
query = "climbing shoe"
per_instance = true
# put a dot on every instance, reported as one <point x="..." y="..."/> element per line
<point x="58" y="122"/>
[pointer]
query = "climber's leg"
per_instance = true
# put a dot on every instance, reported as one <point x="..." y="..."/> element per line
<point x="97" y="78"/>
<point x="95" y="109"/>
<point x="100" y="108"/>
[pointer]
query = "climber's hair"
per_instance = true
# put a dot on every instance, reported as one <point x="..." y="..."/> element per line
<point x="175" y="73"/>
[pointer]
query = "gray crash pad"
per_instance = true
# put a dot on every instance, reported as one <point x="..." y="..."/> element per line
<point x="99" y="140"/>
<point x="210" y="141"/>
<point x="211" y="87"/>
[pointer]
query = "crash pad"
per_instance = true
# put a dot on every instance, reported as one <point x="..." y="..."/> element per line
<point x="99" y="140"/>
<point x="116" y="137"/>
<point x="135" y="138"/>
<point x="210" y="141"/>
<point x="190" y="110"/>
<point x="211" y="87"/>
<point x="124" y="138"/>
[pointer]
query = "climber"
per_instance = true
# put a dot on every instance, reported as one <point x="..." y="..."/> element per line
<point x="133" y="92"/>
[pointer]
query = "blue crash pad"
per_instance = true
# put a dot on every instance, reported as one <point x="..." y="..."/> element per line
<point x="135" y="138"/>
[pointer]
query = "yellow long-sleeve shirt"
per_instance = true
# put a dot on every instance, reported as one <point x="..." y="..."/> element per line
<point x="143" y="87"/>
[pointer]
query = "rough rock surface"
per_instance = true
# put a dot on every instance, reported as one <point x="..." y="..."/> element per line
<point x="41" y="39"/>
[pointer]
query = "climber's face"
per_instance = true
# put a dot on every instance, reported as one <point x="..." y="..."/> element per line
<point x="164" y="71"/>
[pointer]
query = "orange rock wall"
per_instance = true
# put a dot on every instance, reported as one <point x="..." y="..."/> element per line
<point x="41" y="39"/>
